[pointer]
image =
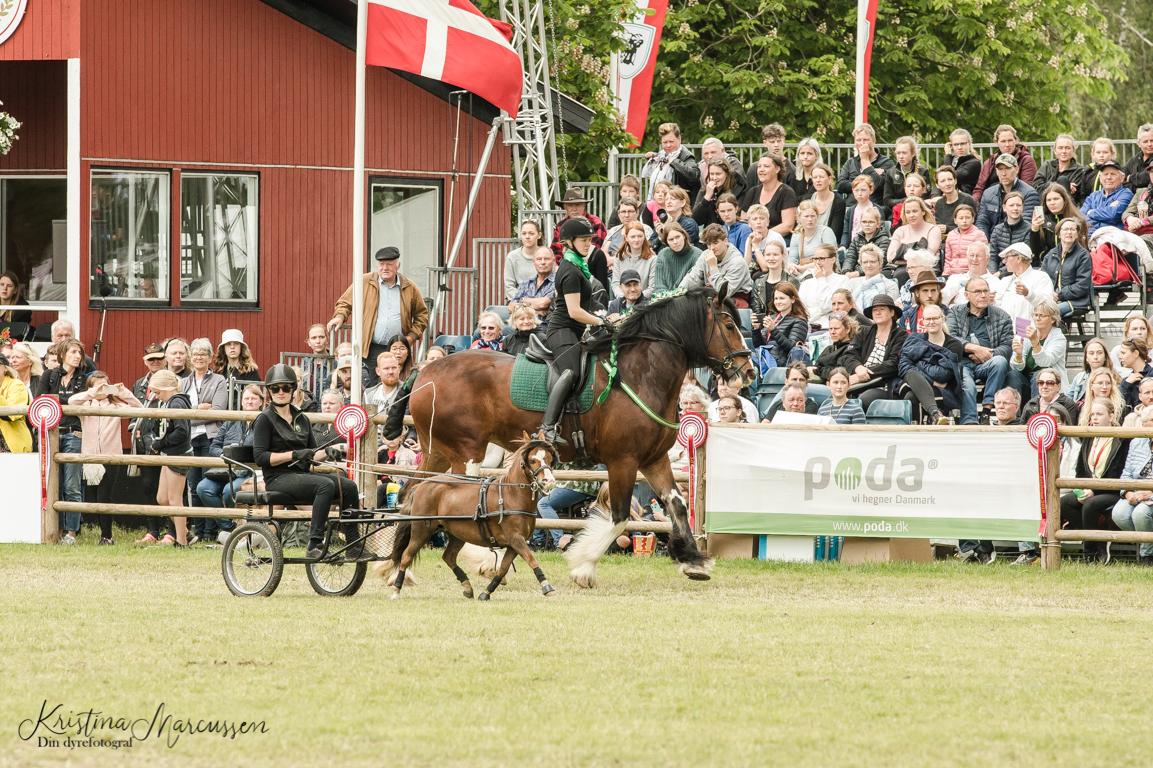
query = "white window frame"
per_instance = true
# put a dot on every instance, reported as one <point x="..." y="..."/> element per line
<point x="164" y="234"/>
<point x="251" y="217"/>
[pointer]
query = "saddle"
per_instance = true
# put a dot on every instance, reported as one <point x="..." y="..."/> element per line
<point x="537" y="352"/>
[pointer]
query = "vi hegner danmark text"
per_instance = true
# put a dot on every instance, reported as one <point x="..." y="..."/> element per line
<point x="58" y="727"/>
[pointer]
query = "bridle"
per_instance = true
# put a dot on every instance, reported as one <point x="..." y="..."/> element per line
<point x="726" y="365"/>
<point x="535" y="484"/>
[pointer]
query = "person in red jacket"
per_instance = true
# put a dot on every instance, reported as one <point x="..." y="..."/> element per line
<point x="1006" y="138"/>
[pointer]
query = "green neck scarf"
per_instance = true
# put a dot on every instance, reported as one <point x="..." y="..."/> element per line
<point x="574" y="258"/>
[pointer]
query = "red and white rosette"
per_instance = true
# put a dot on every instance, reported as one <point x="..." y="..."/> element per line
<point x="351" y="423"/>
<point x="45" y="414"/>
<point x="691" y="434"/>
<point x="1042" y="433"/>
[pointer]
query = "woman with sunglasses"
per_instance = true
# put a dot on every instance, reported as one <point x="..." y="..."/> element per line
<point x="489" y="332"/>
<point x="1048" y="394"/>
<point x="284" y="447"/>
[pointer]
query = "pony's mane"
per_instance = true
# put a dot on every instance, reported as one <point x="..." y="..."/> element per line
<point x="677" y="318"/>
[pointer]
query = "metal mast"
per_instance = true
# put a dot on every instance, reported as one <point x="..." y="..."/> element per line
<point x="531" y="135"/>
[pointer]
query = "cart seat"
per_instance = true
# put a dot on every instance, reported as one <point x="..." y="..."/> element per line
<point x="261" y="498"/>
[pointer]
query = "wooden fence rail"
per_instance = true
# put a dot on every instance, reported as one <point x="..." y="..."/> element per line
<point x="1052" y="536"/>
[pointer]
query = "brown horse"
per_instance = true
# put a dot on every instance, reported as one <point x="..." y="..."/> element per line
<point x="497" y="512"/>
<point x="462" y="403"/>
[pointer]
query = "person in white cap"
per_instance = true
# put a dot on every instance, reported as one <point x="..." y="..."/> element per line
<point x="1025" y="287"/>
<point x="234" y="362"/>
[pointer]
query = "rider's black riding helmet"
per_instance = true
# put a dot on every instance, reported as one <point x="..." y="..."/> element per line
<point x="280" y="374"/>
<point x="575" y="227"/>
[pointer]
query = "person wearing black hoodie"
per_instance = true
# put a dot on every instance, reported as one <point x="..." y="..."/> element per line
<point x="867" y="160"/>
<point x="966" y="165"/>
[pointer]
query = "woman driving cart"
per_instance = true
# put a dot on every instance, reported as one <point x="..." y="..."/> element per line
<point x="284" y="447"/>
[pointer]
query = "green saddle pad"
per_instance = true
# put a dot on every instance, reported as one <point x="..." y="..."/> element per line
<point x="528" y="388"/>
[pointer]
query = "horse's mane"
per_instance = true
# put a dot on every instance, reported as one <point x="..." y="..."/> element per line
<point x="678" y="318"/>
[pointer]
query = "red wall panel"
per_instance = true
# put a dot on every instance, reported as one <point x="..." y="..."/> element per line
<point x="36" y="94"/>
<point x="50" y="30"/>
<point x="235" y="84"/>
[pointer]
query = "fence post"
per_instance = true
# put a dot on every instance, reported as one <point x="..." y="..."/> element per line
<point x="366" y="456"/>
<point x="699" y="499"/>
<point x="50" y="520"/>
<point x="1050" y="547"/>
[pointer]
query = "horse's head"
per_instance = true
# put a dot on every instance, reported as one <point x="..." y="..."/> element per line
<point x="727" y="354"/>
<point x="538" y="458"/>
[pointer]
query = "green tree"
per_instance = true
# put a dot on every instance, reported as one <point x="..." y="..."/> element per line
<point x="1131" y="25"/>
<point x="582" y="38"/>
<point x="728" y="66"/>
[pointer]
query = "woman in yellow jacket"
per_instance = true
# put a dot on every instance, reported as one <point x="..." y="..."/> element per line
<point x="14" y="434"/>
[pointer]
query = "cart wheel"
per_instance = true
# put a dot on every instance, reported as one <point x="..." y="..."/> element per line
<point x="336" y="579"/>
<point x="253" y="561"/>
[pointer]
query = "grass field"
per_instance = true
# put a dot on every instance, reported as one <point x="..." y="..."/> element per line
<point x="765" y="665"/>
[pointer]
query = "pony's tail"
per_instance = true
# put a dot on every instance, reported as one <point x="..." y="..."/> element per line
<point x="386" y="568"/>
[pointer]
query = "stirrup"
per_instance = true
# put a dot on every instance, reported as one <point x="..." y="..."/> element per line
<point x="550" y="435"/>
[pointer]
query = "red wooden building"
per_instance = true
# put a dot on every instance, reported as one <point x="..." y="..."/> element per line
<point x="191" y="160"/>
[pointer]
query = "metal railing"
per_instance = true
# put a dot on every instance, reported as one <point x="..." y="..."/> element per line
<point x="835" y="155"/>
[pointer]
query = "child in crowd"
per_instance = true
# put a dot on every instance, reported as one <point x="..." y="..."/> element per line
<point x="958" y="241"/>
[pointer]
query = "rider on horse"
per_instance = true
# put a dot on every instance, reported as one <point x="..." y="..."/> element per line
<point x="572" y="313"/>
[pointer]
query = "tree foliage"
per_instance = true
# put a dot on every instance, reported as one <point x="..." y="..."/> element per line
<point x="727" y="67"/>
<point x="582" y="36"/>
<point x="1131" y="25"/>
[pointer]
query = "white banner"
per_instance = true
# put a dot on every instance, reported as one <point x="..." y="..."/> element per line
<point x="966" y="485"/>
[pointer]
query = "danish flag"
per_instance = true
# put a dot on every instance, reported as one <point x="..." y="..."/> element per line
<point x="450" y="41"/>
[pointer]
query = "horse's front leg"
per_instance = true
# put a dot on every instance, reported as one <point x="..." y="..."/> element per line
<point x="599" y="533"/>
<point x="505" y="564"/>
<point x="682" y="546"/>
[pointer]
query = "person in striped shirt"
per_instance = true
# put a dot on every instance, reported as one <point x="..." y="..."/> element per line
<point x="839" y="406"/>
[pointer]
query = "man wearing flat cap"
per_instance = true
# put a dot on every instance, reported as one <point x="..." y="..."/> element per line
<point x="393" y="306"/>
<point x="1105" y="207"/>
<point x="991" y="206"/>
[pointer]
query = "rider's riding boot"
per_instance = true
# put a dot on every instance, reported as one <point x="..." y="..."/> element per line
<point x="394" y="425"/>
<point x="556" y="403"/>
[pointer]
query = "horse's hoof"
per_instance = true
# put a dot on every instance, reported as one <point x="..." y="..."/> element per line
<point x="701" y="571"/>
<point x="466" y="590"/>
<point x="584" y="575"/>
<point x="548" y="590"/>
<point x="395" y="594"/>
<point x="483" y="596"/>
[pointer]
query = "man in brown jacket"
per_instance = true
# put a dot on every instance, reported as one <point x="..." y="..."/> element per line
<point x="393" y="306"/>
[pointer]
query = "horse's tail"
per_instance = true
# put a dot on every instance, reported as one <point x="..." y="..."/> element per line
<point x="385" y="568"/>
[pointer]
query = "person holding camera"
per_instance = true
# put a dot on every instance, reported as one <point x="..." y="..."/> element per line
<point x="284" y="446"/>
<point x="572" y="314"/>
<point x="101" y="435"/>
<point x="673" y="163"/>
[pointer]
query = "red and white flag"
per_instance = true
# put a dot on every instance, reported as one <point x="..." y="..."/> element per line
<point x="450" y="41"/>
<point x="866" y="27"/>
<point x="632" y="76"/>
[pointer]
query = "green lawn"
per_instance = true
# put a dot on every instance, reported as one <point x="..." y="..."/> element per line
<point x="766" y="664"/>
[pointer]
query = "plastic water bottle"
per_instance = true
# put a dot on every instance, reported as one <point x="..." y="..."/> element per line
<point x="391" y="492"/>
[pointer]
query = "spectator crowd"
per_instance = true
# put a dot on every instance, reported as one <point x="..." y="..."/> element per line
<point x="955" y="289"/>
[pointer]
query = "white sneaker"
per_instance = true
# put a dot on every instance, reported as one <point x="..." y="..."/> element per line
<point x="222" y="537"/>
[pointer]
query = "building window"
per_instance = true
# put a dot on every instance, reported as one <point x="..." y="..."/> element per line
<point x="406" y="214"/>
<point x="33" y="237"/>
<point x="129" y="235"/>
<point x="218" y="238"/>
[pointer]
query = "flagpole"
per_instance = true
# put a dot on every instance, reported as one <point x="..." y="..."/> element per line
<point x="358" y="201"/>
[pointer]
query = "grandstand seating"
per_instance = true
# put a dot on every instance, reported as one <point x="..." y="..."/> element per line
<point x="889" y="412"/>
